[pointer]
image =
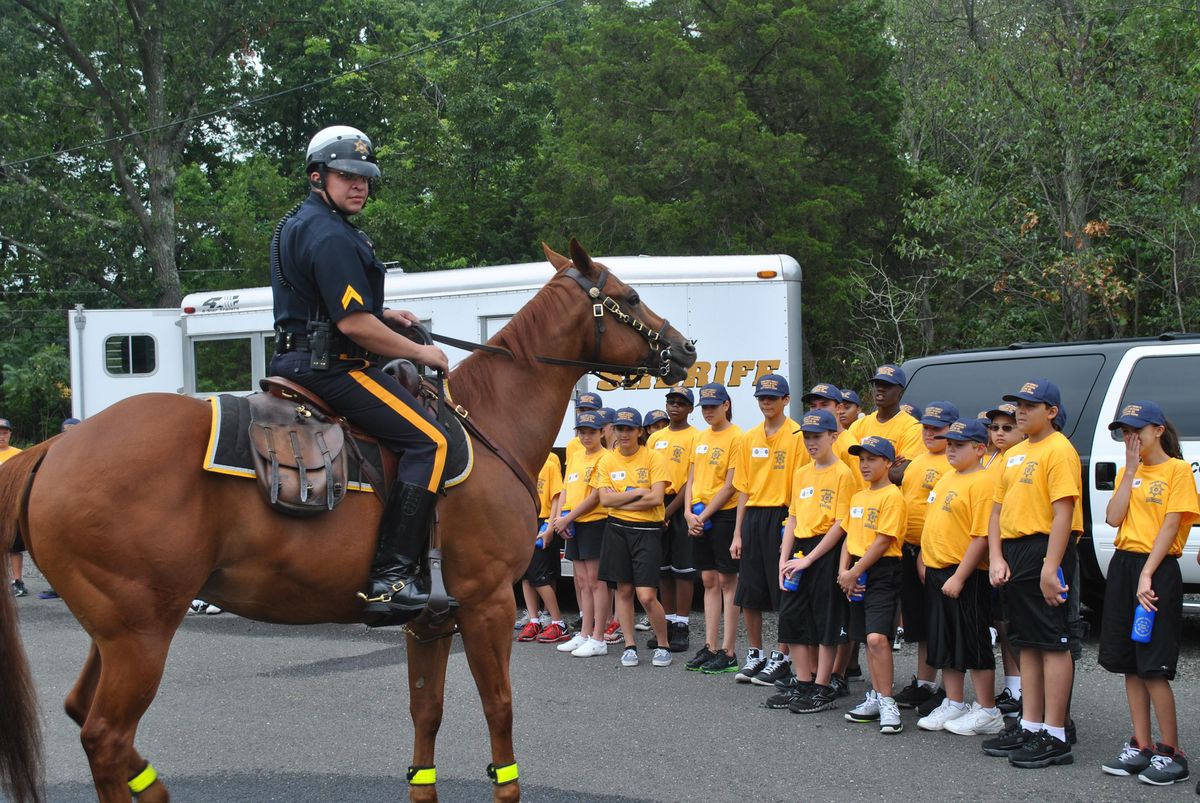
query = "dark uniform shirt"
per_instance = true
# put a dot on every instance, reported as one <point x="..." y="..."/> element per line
<point x="331" y="266"/>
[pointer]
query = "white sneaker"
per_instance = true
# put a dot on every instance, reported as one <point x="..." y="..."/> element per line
<point x="976" y="722"/>
<point x="889" y="716"/>
<point x="936" y="719"/>
<point x="590" y="649"/>
<point x="867" y="710"/>
<point x="661" y="657"/>
<point x="213" y="610"/>
<point x="643" y="624"/>
<point x="577" y="641"/>
<point x="629" y="657"/>
<point x="197" y="606"/>
<point x="522" y="620"/>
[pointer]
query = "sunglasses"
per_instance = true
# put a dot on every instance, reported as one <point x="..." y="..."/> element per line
<point x="1002" y="427"/>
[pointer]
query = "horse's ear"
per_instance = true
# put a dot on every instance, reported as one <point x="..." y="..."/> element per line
<point x="556" y="259"/>
<point x="581" y="259"/>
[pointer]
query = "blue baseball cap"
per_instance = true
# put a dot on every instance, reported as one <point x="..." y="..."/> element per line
<point x="627" y="417"/>
<point x="1038" y="391"/>
<point x="70" y="422"/>
<point x="1007" y="408"/>
<point x="771" y="385"/>
<point x="685" y="393"/>
<point x="588" y="401"/>
<point x="589" y="419"/>
<point x="607" y="415"/>
<point x="850" y="397"/>
<point x="818" y="421"/>
<point x="1139" y="414"/>
<point x="966" y="429"/>
<point x="823" y="391"/>
<point x="939" y="414"/>
<point x="910" y="408"/>
<point x="876" y="445"/>
<point x="892" y="374"/>
<point x="654" y="416"/>
<point x="712" y="394"/>
<point x="6" y="424"/>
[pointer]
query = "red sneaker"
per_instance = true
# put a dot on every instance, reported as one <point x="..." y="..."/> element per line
<point x="612" y="633"/>
<point x="554" y="634"/>
<point x="530" y="631"/>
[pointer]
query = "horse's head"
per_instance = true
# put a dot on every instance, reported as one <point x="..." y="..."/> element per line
<point x="625" y="335"/>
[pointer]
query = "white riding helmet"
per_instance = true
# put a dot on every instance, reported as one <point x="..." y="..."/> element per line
<point x="340" y="147"/>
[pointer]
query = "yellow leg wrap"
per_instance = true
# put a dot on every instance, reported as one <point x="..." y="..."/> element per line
<point x="141" y="782"/>
<point x="502" y="775"/>
<point x="422" y="776"/>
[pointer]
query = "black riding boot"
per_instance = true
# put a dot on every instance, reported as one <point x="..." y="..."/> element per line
<point x="395" y="585"/>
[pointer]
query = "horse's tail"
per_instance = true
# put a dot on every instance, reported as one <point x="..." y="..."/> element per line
<point x="21" y="748"/>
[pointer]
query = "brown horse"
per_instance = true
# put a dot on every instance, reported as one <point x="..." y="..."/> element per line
<point x="128" y="529"/>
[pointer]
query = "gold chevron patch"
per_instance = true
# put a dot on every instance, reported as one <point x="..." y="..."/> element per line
<point x="351" y="295"/>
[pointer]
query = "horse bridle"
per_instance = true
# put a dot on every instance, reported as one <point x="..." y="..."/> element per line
<point x="630" y="375"/>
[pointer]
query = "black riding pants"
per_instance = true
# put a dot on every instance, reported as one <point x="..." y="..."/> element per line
<point x="379" y="405"/>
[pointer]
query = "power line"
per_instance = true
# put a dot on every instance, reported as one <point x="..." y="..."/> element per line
<point x="415" y="51"/>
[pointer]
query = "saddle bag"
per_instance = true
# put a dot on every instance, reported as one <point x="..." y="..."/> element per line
<point x="298" y="456"/>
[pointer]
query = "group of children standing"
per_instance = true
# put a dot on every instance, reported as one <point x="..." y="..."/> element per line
<point x="966" y="526"/>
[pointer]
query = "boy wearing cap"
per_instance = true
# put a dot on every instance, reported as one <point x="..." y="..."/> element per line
<point x="16" y="561"/>
<point x="889" y="421"/>
<point x="583" y="402"/>
<point x="632" y="481"/>
<point x="653" y="422"/>
<point x="710" y="508"/>
<point x="851" y="408"/>
<point x="872" y="549"/>
<point x="1004" y="434"/>
<point x="825" y="396"/>
<point x="1031" y="539"/>
<point x="544" y="569"/>
<point x="764" y="460"/>
<point x="919" y="477"/>
<point x="813" y="618"/>
<point x="676" y="444"/>
<point x="958" y="594"/>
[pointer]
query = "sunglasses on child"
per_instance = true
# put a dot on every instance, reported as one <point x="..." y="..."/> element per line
<point x="1002" y="427"/>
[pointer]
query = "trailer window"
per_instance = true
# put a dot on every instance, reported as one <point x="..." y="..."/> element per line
<point x="1166" y="380"/>
<point x="223" y="366"/>
<point x="129" y="355"/>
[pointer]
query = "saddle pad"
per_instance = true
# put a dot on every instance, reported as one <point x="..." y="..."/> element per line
<point x="229" y="446"/>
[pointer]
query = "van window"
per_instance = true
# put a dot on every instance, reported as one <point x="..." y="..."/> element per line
<point x="976" y="385"/>
<point x="1165" y="380"/>
<point x="223" y="365"/>
<point x="129" y="355"/>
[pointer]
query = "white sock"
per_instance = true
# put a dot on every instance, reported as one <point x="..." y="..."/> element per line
<point x="679" y="618"/>
<point x="1013" y="684"/>
<point x="957" y="705"/>
<point x="672" y="617"/>
<point x="560" y="623"/>
<point x="1057" y="733"/>
<point x="1032" y="727"/>
<point x="926" y="684"/>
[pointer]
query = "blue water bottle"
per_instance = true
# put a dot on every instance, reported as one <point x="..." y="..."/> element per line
<point x="540" y="543"/>
<point x="571" y="526"/>
<point x="1062" y="582"/>
<point x="792" y="581"/>
<point x="1143" y="625"/>
<point x="862" y="581"/>
<point x="697" y="509"/>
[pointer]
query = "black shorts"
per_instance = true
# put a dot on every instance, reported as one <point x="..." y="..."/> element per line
<point x="677" y="545"/>
<point x="959" y="637"/>
<point x="589" y="536"/>
<point x="710" y="549"/>
<point x="1031" y="622"/>
<point x="816" y="612"/>
<point x="18" y="546"/>
<point x="1118" y="652"/>
<point x="545" y="566"/>
<point x="877" y="611"/>
<point x="631" y="553"/>
<point x="758" y="575"/>
<point x="912" y="595"/>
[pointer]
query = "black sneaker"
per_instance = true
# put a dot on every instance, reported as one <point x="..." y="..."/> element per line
<point x="1009" y="706"/>
<point x="821" y="698"/>
<point x="933" y="702"/>
<point x="787" y="683"/>
<point x="755" y="661"/>
<point x="1041" y="751"/>
<point x="1130" y="761"/>
<point x="839" y="685"/>
<point x="913" y="695"/>
<point x="777" y="668"/>
<point x="783" y="699"/>
<point x="18" y="589"/>
<point x="679" y="635"/>
<point x="1011" y="738"/>
<point x="702" y="657"/>
<point x="720" y="664"/>
<point x="1167" y="767"/>
<point x="1072" y="735"/>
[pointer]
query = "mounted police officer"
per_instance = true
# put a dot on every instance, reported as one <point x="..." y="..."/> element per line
<point x="331" y="333"/>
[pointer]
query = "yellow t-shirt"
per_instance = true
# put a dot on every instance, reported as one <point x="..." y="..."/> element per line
<point x="7" y="452"/>
<point x="1158" y="490"/>
<point x="573" y="448"/>
<point x="549" y="484"/>
<point x="841" y="448"/>
<point x="763" y="466"/>
<point x="821" y="498"/>
<point x="873" y="513"/>
<point x="919" y="478"/>
<point x="576" y="486"/>
<point x="711" y="461"/>
<point x="1036" y="475"/>
<point x="993" y="462"/>
<point x="642" y="469"/>
<point x="902" y="430"/>
<point x="676" y="447"/>
<point x="960" y="506"/>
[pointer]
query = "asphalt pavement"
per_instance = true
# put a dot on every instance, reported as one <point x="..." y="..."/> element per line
<point x="251" y="712"/>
